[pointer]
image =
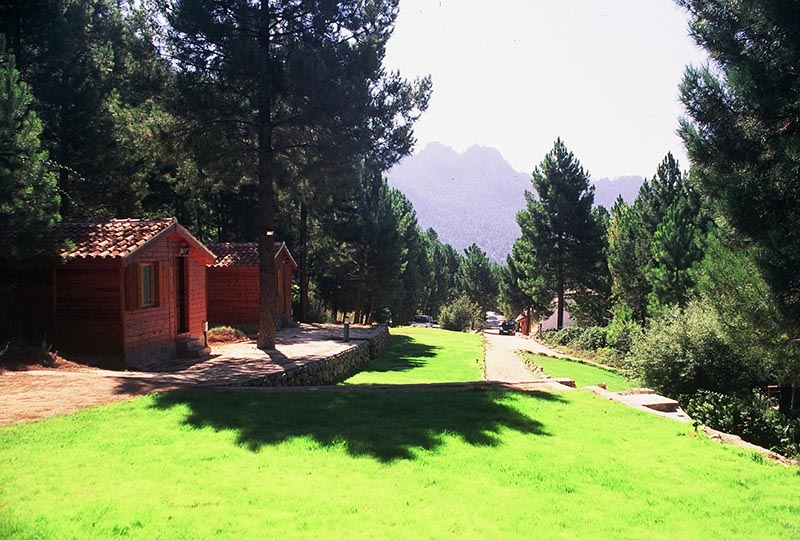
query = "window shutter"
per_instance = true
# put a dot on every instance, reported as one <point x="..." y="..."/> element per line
<point x="160" y="282"/>
<point x="132" y="287"/>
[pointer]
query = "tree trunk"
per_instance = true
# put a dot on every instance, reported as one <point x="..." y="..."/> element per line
<point x="361" y="292"/>
<point x="560" y="308"/>
<point x="302" y="264"/>
<point x="787" y="400"/>
<point x="268" y="279"/>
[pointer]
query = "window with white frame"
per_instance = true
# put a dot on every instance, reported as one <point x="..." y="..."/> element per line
<point x="147" y="285"/>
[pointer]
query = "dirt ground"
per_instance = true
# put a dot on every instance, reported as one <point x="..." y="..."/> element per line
<point x="42" y="385"/>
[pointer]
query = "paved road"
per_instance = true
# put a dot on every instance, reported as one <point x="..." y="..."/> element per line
<point x="503" y="363"/>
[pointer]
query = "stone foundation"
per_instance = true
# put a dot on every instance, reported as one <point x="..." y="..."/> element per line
<point x="330" y="370"/>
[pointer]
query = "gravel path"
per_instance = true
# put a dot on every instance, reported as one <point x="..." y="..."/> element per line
<point x="502" y="362"/>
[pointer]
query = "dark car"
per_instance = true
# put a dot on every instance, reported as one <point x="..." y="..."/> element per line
<point x="508" y="328"/>
<point x="422" y="320"/>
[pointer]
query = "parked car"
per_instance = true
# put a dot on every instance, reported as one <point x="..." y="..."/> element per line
<point x="422" y="320"/>
<point x="508" y="328"/>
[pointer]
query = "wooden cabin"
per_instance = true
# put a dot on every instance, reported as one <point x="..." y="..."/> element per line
<point x="125" y="292"/>
<point x="233" y="285"/>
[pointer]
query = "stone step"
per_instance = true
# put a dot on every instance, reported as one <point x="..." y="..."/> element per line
<point x="652" y="401"/>
<point x="191" y="348"/>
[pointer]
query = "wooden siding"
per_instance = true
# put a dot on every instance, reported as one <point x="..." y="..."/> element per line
<point x="197" y="297"/>
<point x="87" y="307"/>
<point x="32" y="298"/>
<point x="156" y="327"/>
<point x="233" y="295"/>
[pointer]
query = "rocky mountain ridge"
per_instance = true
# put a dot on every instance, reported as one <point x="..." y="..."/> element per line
<point x="474" y="196"/>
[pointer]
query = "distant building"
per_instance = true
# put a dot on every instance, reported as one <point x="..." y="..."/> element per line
<point x="528" y="326"/>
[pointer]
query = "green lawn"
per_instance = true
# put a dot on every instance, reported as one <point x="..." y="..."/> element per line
<point x="582" y="373"/>
<point x="363" y="463"/>
<point x="425" y="355"/>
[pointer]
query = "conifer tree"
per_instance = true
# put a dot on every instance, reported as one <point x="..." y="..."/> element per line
<point x="674" y="253"/>
<point x="277" y="78"/>
<point x="629" y="256"/>
<point x="79" y="59"/>
<point x="655" y="243"/>
<point x="742" y="134"/>
<point x="28" y="192"/>
<point x="561" y="247"/>
<point x="476" y="279"/>
<point x="444" y="262"/>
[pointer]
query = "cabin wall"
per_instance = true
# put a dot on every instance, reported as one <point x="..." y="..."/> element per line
<point x="284" y="294"/>
<point x="87" y="308"/>
<point x="233" y="296"/>
<point x="28" y="301"/>
<point x="551" y="322"/>
<point x="150" y="332"/>
<point x="198" y="300"/>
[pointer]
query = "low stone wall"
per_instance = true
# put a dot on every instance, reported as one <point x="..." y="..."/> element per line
<point x="378" y="342"/>
<point x="323" y="371"/>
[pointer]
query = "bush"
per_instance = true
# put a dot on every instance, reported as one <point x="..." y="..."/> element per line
<point x="753" y="418"/>
<point x="686" y="350"/>
<point x="226" y="334"/>
<point x="461" y="315"/>
<point x="622" y="333"/>
<point x="611" y="357"/>
<point x="591" y="338"/>
<point x="561" y="337"/>
<point x="586" y="338"/>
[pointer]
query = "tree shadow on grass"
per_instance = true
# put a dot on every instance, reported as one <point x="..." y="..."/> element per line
<point x="403" y="353"/>
<point x="386" y="426"/>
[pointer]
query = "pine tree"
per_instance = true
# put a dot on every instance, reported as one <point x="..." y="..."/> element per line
<point x="79" y="59"/>
<point x="674" y="253"/>
<point x="655" y="243"/>
<point x="275" y="79"/>
<point x="28" y="192"/>
<point x="743" y="137"/>
<point x="476" y="279"/>
<point x="629" y="255"/>
<point x="561" y="247"/>
<point x="444" y="262"/>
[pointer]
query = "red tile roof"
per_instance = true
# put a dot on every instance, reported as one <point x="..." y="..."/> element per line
<point x="115" y="238"/>
<point x="239" y="254"/>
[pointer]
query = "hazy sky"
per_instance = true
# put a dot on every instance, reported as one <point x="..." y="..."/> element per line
<point x="515" y="74"/>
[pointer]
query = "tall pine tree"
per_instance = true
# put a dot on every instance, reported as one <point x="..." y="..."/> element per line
<point x="561" y="247"/>
<point x="277" y="78"/>
<point x="28" y="192"/>
<point x="743" y="137"/>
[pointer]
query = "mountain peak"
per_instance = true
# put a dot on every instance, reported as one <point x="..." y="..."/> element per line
<point x="474" y="196"/>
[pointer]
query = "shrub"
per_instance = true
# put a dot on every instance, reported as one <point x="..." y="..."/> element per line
<point x="622" y="333"/>
<point x="686" y="350"/>
<point x="461" y="315"/>
<point x="752" y="417"/>
<point x="226" y="334"/>
<point x="590" y="338"/>
<point x="586" y="338"/>
<point x="561" y="337"/>
<point x="610" y="357"/>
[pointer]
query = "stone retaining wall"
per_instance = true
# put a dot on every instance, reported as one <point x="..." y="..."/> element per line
<point x="323" y="371"/>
